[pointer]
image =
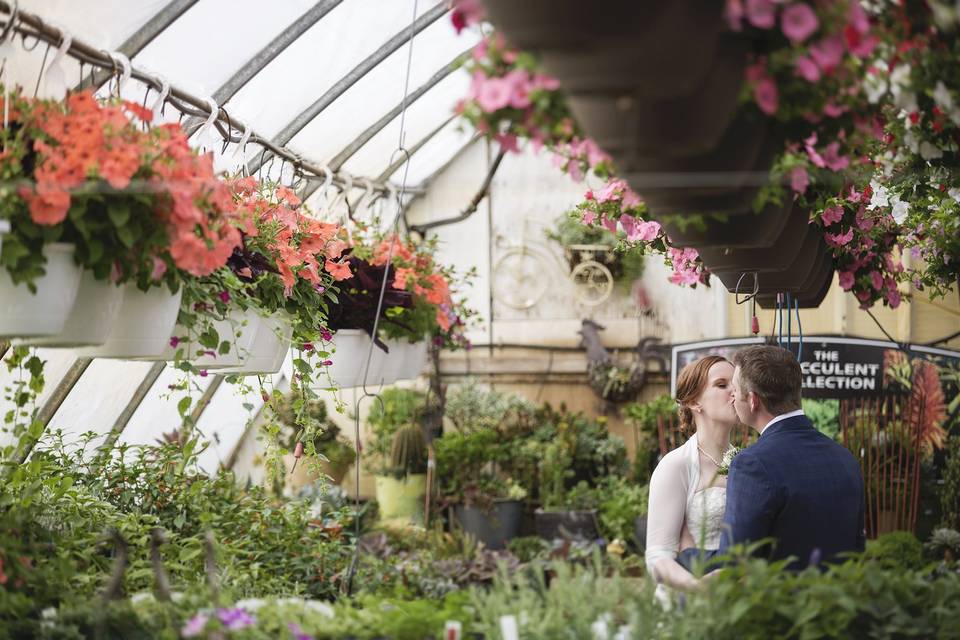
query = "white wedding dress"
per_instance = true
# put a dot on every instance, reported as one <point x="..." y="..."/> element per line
<point x="677" y="497"/>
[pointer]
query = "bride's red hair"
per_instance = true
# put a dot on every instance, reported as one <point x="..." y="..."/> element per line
<point x="690" y="384"/>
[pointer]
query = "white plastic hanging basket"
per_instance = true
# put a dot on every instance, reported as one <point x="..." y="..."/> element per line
<point x="269" y="348"/>
<point x="25" y="314"/>
<point x="350" y="348"/>
<point x="239" y="328"/>
<point x="92" y="318"/>
<point x="405" y="360"/>
<point x="414" y="360"/>
<point x="143" y="326"/>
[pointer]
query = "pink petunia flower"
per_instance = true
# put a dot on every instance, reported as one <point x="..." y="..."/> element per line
<point x="799" y="179"/>
<point x="876" y="280"/>
<point x="798" y="22"/>
<point x="494" y="94"/>
<point x="589" y="218"/>
<point x="807" y="69"/>
<point x="733" y="13"/>
<point x="833" y="159"/>
<point x="761" y="13"/>
<point x="838" y="240"/>
<point x="508" y="142"/>
<point x="766" y="95"/>
<point x="828" y="52"/>
<point x="846" y="280"/>
<point x="831" y="215"/>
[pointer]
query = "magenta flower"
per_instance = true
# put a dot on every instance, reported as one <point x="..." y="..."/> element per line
<point x="799" y="179"/>
<point x="298" y="633"/>
<point x="734" y="13"/>
<point x="508" y="142"/>
<point x="326" y="363"/>
<point x="611" y="225"/>
<point x="837" y="239"/>
<point x="846" y="280"/>
<point x="174" y="341"/>
<point x="204" y="373"/>
<point x="766" y="95"/>
<point x="493" y="94"/>
<point x="761" y="13"/>
<point x="807" y="69"/>
<point x="235" y="619"/>
<point x="194" y="626"/>
<point x="828" y="52"/>
<point x="876" y="280"/>
<point x="224" y="296"/>
<point x="326" y="335"/>
<point x="831" y="215"/>
<point x="893" y="298"/>
<point x="798" y="22"/>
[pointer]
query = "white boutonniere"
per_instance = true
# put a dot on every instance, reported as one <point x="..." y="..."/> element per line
<point x="728" y="457"/>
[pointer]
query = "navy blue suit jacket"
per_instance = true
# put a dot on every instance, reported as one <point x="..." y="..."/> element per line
<point x="800" y="487"/>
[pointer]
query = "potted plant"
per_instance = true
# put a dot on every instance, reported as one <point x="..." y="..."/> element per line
<point x="401" y="484"/>
<point x="126" y="240"/>
<point x="325" y="452"/>
<point x="626" y="266"/>
<point x="417" y="305"/>
<point x="476" y="466"/>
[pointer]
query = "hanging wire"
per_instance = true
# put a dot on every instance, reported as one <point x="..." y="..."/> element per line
<point x="796" y="305"/>
<point x="383" y="289"/>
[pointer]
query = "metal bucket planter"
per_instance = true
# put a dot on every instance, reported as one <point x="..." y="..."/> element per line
<point x="777" y="256"/>
<point x="493" y="527"/>
<point x="143" y="325"/>
<point x="578" y="525"/>
<point x="44" y="313"/>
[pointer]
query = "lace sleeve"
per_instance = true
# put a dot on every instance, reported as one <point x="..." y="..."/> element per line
<point x="667" y="505"/>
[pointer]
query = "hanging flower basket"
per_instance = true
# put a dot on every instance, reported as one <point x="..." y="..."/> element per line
<point x="91" y="320"/>
<point x="349" y="359"/>
<point x="143" y="327"/>
<point x="269" y="348"/>
<point x="24" y="313"/>
<point x="405" y="361"/>
<point x="775" y="257"/>
<point x="239" y="328"/>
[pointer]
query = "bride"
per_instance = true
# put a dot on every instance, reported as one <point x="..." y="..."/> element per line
<point x="687" y="495"/>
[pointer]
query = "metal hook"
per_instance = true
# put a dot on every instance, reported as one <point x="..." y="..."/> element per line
<point x="14" y="16"/>
<point x="161" y="100"/>
<point x="214" y="112"/>
<point x="242" y="145"/>
<point x="756" y="287"/>
<point x="344" y="192"/>
<point x="365" y="198"/>
<point x="327" y="181"/>
<point x="124" y="63"/>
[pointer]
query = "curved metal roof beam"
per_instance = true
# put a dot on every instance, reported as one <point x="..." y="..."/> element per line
<point x="146" y="34"/>
<point x="268" y="54"/>
<point x="337" y="162"/>
<point x="307" y="115"/>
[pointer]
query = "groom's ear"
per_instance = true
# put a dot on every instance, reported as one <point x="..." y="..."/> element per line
<point x="754" y="401"/>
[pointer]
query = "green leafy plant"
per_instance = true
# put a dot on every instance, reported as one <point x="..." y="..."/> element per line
<point x="896" y="550"/>
<point x="825" y="415"/>
<point x="394" y="409"/>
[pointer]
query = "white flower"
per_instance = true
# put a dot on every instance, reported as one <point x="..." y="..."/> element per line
<point x="910" y="139"/>
<point x="880" y="196"/>
<point x="600" y="628"/>
<point x="142" y="596"/>
<point x="906" y="100"/>
<point x="954" y="193"/>
<point x="49" y="613"/>
<point x="900" y="209"/>
<point x="876" y="86"/>
<point x="930" y="151"/>
<point x="942" y="96"/>
<point x="624" y="633"/>
<point x="899" y="78"/>
<point x="250" y="604"/>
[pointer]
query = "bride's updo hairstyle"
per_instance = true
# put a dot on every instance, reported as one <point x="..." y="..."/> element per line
<point x="690" y="384"/>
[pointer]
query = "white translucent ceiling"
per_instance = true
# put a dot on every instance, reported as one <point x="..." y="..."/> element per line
<point x="199" y="51"/>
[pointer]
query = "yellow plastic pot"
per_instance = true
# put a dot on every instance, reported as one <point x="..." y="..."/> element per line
<point x="401" y="500"/>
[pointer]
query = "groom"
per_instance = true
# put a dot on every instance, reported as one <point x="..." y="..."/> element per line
<point x="794" y="484"/>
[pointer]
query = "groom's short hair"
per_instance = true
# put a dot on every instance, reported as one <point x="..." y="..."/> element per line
<point x="772" y="373"/>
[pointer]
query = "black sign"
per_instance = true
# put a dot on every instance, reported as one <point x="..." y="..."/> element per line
<point x="833" y="367"/>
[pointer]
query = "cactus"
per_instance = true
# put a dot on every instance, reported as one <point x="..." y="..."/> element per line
<point x="408" y="455"/>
